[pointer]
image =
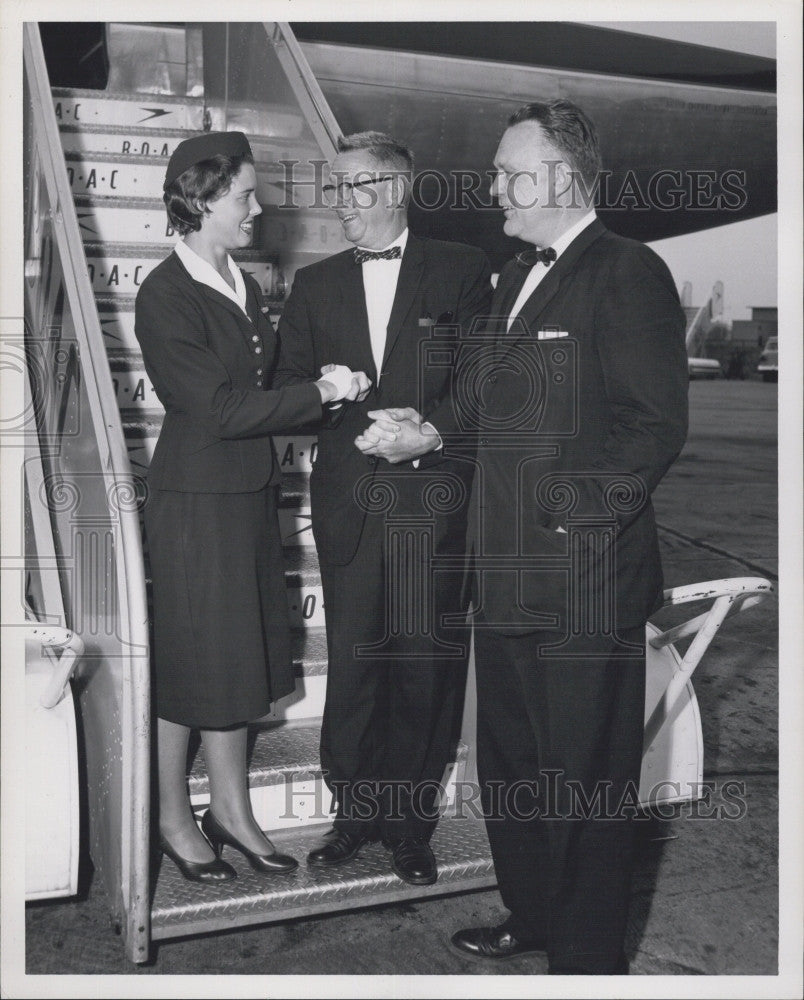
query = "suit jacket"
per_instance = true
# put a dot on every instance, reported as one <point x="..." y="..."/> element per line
<point x="325" y="321"/>
<point x="209" y="365"/>
<point x="589" y="389"/>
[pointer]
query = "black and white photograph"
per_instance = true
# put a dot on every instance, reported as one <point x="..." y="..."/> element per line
<point x="400" y="427"/>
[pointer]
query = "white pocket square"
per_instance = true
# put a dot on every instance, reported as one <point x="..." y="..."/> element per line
<point x="551" y="333"/>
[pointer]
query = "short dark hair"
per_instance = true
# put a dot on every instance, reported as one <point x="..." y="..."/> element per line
<point x="571" y="132"/>
<point x="204" y="181"/>
<point x="385" y="150"/>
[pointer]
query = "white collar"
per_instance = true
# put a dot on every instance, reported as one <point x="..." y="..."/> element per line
<point x="564" y="240"/>
<point x="201" y="270"/>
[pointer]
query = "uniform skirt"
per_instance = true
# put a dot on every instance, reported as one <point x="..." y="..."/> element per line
<point x="221" y="632"/>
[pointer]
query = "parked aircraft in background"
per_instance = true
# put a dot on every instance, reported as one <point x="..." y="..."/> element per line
<point x="687" y="132"/>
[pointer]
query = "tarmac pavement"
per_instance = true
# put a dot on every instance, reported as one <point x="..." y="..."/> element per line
<point x="705" y="893"/>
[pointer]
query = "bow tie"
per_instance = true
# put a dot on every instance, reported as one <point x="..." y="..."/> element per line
<point x="530" y="257"/>
<point x="393" y="253"/>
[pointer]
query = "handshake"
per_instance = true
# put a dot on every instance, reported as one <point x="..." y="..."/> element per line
<point x="338" y="382"/>
<point x="398" y="434"/>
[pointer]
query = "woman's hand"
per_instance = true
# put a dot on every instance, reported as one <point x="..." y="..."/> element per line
<point x="339" y="382"/>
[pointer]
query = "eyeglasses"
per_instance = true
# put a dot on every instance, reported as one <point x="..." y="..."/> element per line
<point x="337" y="194"/>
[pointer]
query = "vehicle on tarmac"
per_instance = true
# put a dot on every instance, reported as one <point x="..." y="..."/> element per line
<point x="768" y="366"/>
<point x="704" y="368"/>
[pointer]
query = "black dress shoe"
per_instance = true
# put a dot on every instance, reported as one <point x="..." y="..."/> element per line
<point x="412" y="860"/>
<point x="269" y="864"/>
<point x="199" y="871"/>
<point x="341" y="846"/>
<point x="493" y="942"/>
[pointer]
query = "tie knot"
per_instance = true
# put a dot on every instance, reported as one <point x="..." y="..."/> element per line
<point x="392" y="253"/>
<point x="544" y="256"/>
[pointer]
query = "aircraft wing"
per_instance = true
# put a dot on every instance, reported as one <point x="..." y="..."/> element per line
<point x="687" y="132"/>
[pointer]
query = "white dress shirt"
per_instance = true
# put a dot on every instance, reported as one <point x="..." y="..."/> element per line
<point x="380" y="278"/>
<point x="539" y="271"/>
<point x="204" y="272"/>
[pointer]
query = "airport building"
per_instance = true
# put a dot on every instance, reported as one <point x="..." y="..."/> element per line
<point x="754" y="332"/>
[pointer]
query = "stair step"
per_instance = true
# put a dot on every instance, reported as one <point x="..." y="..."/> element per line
<point x="181" y="907"/>
<point x="303" y="586"/>
<point x="295" y="526"/>
<point x="119" y="269"/>
<point x="126" y="220"/>
<point x="141" y="432"/>
<point x="136" y="140"/>
<point x="116" y="315"/>
<point x="295" y="490"/>
<point x="160" y="111"/>
<point x="144" y="220"/>
<point x="133" y="388"/>
<point x="296" y="452"/>
<point x="301" y="567"/>
<point x="303" y="581"/>
<point x="121" y="140"/>
<point x="276" y="755"/>
<point x="286" y="784"/>
<point x="151" y="111"/>
<point x="310" y="651"/>
<point x="117" y="323"/>
<point x="125" y="176"/>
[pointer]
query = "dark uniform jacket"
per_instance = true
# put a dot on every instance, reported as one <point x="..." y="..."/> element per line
<point x="210" y="367"/>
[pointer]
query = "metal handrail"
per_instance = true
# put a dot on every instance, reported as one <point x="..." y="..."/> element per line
<point x="54" y="637"/>
<point x="728" y="595"/>
<point x="311" y="98"/>
<point x="107" y="428"/>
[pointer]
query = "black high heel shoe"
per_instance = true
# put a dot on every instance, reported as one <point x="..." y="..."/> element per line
<point x="199" y="871"/>
<point x="270" y="864"/>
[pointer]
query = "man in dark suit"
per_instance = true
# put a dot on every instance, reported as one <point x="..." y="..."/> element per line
<point x="386" y="500"/>
<point x="583" y="410"/>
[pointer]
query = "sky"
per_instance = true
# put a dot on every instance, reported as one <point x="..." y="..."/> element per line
<point x="741" y="255"/>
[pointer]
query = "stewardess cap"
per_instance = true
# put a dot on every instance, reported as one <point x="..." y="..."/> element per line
<point x="204" y="147"/>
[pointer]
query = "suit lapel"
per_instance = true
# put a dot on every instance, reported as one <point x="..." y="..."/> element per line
<point x="255" y="314"/>
<point x="244" y="323"/>
<point x="549" y="286"/>
<point x="410" y="276"/>
<point x="352" y="306"/>
<point x="222" y="300"/>
<point x="253" y="306"/>
<point x="512" y="278"/>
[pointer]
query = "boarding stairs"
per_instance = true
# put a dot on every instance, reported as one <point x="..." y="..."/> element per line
<point x="116" y="147"/>
<point x="95" y="226"/>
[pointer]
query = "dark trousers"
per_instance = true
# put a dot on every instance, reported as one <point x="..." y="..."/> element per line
<point x="559" y="756"/>
<point x="392" y="714"/>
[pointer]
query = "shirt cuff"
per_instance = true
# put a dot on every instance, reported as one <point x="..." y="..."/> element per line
<point x="438" y="447"/>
